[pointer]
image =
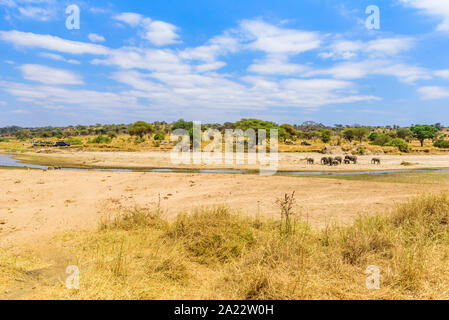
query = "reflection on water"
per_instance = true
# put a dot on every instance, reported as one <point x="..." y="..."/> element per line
<point x="6" y="160"/>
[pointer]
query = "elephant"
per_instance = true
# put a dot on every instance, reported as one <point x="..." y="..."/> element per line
<point x="352" y="159"/>
<point x="339" y="159"/>
<point x="310" y="161"/>
<point x="375" y="161"/>
<point x="330" y="161"/>
<point x="347" y="161"/>
<point x="325" y="160"/>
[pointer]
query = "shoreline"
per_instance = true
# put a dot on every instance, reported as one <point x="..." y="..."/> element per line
<point x="288" y="163"/>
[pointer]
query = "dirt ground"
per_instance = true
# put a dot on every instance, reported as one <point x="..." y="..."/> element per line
<point x="287" y="161"/>
<point x="36" y="204"/>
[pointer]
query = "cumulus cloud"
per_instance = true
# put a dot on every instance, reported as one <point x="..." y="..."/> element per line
<point x="436" y="8"/>
<point x="159" y="33"/>
<point x="53" y="43"/>
<point x="47" y="75"/>
<point x="40" y="10"/>
<point x="272" y="39"/>
<point x="382" y="47"/>
<point x="96" y="38"/>
<point x="434" y="93"/>
<point x="58" y="57"/>
<point x="365" y="68"/>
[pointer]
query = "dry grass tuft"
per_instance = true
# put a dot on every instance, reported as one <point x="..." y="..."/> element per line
<point x="217" y="254"/>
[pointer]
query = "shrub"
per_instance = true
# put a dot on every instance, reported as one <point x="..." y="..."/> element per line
<point x="112" y="134"/>
<point x="381" y="139"/>
<point x="100" y="140"/>
<point x="75" y="142"/>
<point x="444" y="144"/>
<point x="159" y="136"/>
<point x="400" y="144"/>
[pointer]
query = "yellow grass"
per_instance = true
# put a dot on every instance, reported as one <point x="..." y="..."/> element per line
<point x="219" y="254"/>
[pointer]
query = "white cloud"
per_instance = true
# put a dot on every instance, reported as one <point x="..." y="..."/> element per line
<point x="40" y="10"/>
<point x="158" y="60"/>
<point x="133" y="19"/>
<point x="36" y="13"/>
<point x="383" y="47"/>
<point x="47" y="75"/>
<point x="433" y="93"/>
<point x="277" y="65"/>
<point x="437" y="8"/>
<point x="362" y="69"/>
<point x="32" y="40"/>
<point x="442" y="73"/>
<point x="54" y="96"/>
<point x="96" y="38"/>
<point x="3" y="103"/>
<point x="58" y="57"/>
<point x="272" y="39"/>
<point x="159" y="33"/>
<point x="209" y="52"/>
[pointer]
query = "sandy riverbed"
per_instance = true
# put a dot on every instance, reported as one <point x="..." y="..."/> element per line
<point x="287" y="161"/>
<point x="35" y="204"/>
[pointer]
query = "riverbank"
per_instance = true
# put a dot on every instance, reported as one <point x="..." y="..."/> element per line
<point x="287" y="162"/>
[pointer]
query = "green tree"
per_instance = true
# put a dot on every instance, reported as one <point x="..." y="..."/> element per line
<point x="404" y="133"/>
<point x="360" y="133"/>
<point x="325" y="137"/>
<point x="256" y="124"/>
<point x="423" y="132"/>
<point x="159" y="136"/>
<point x="140" y="128"/>
<point x="349" y="134"/>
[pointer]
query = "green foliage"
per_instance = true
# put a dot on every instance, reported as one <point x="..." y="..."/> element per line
<point x="100" y="140"/>
<point x="159" y="136"/>
<point x="256" y="124"/>
<point x="75" y="142"/>
<point x="184" y="125"/>
<point x="444" y="144"/>
<point x="349" y="134"/>
<point x="404" y="133"/>
<point x="400" y="144"/>
<point x="112" y="134"/>
<point x="423" y="132"/>
<point x="326" y="136"/>
<point x="360" y="133"/>
<point x="140" y="128"/>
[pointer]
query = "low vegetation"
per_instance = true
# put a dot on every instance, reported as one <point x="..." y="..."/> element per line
<point x="306" y="137"/>
<point x="219" y="254"/>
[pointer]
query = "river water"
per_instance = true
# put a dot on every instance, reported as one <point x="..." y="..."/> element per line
<point x="7" y="160"/>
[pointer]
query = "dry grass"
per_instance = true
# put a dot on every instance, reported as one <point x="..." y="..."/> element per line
<point x="218" y="254"/>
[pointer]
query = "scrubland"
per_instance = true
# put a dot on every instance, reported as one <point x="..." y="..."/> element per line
<point x="217" y="253"/>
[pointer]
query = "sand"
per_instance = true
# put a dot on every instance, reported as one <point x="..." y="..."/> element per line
<point x="36" y="205"/>
<point x="287" y="161"/>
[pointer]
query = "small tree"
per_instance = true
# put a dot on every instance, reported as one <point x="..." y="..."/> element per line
<point x="140" y="128"/>
<point x="423" y="132"/>
<point x="360" y="133"/>
<point x="349" y="134"/>
<point x="404" y="133"/>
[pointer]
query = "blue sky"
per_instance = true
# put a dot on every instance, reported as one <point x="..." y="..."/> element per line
<point x="222" y="60"/>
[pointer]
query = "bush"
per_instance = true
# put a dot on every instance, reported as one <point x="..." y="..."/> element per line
<point x="100" y="140"/>
<point x="112" y="134"/>
<point x="159" y="136"/>
<point x="381" y="139"/>
<point x="442" y="144"/>
<point x="75" y="142"/>
<point x="400" y="144"/>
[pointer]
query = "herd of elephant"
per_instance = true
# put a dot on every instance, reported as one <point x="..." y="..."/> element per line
<point x="335" y="161"/>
